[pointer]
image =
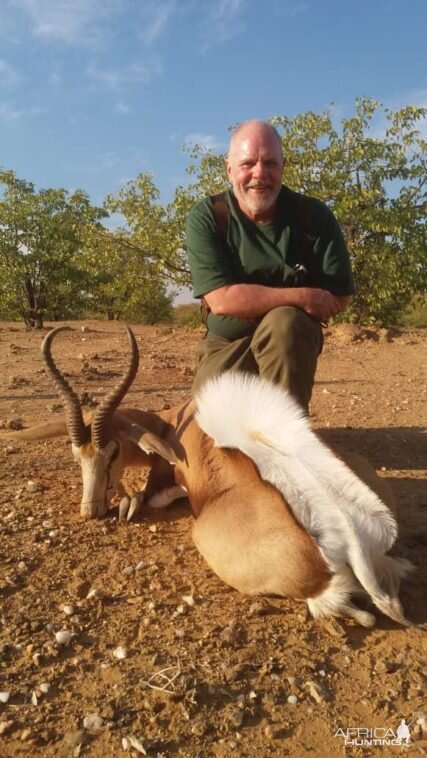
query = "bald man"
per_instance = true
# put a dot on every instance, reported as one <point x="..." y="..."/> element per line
<point x="271" y="266"/>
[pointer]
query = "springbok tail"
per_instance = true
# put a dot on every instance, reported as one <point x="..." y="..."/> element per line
<point x="349" y="522"/>
<point x="386" y="600"/>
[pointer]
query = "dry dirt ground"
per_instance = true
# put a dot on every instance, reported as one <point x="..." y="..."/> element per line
<point x="206" y="672"/>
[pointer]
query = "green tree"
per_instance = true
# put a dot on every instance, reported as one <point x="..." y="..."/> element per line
<point x="141" y="257"/>
<point x="41" y="235"/>
<point x="150" y="228"/>
<point x="123" y="283"/>
<point x="375" y="181"/>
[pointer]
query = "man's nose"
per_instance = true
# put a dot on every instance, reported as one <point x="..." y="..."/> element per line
<point x="259" y="170"/>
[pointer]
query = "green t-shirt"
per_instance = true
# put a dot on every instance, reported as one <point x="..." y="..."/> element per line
<point x="264" y="253"/>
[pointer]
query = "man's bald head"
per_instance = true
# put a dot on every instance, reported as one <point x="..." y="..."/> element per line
<point x="255" y="128"/>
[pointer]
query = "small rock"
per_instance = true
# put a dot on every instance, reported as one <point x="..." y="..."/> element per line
<point x="120" y="653"/>
<point x="68" y="610"/>
<point x="63" y="637"/>
<point x="26" y="735"/>
<point x="234" y="634"/>
<point x="385" y="667"/>
<point x="5" y="726"/>
<point x="136" y="744"/>
<point x="333" y="627"/>
<point x="199" y="728"/>
<point x="34" y="486"/>
<point x="94" y="593"/>
<point x="236" y="717"/>
<point x="260" y="608"/>
<point x="4" y="697"/>
<point x="14" y="424"/>
<point x="292" y="699"/>
<point x="271" y="732"/>
<point x="318" y="692"/>
<point x="188" y="599"/>
<point x="93" y="721"/>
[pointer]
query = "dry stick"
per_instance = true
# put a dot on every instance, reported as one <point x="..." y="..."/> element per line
<point x="169" y="680"/>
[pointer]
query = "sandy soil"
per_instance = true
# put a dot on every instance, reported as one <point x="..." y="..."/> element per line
<point x="207" y="671"/>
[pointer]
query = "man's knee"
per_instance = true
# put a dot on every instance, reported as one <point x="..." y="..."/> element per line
<point x="214" y="357"/>
<point x="284" y="325"/>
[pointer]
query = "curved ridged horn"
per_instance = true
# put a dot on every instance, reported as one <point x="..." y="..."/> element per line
<point x="77" y="430"/>
<point x="101" y="423"/>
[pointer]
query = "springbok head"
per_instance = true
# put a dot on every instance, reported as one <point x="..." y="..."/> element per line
<point x="98" y="446"/>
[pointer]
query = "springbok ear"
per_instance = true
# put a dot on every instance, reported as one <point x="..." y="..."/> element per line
<point x="149" y="442"/>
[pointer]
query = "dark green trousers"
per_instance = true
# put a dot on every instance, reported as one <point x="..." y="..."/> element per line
<point x="284" y="349"/>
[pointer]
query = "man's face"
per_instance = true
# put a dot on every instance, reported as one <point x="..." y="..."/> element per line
<point x="255" y="167"/>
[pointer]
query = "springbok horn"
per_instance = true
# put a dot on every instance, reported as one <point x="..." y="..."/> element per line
<point x="101" y="423"/>
<point x="77" y="430"/>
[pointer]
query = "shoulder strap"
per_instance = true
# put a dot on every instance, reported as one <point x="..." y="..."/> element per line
<point x="305" y="232"/>
<point x="221" y="214"/>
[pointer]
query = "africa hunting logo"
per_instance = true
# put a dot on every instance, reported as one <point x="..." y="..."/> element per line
<point x="376" y="736"/>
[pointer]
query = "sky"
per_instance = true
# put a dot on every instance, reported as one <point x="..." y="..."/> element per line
<point x="92" y="92"/>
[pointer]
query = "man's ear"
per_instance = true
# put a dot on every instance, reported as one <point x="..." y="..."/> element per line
<point x="228" y="168"/>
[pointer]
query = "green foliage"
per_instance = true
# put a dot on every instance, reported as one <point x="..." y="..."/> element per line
<point x="187" y="314"/>
<point x="124" y="282"/>
<point x="41" y="235"/>
<point x="57" y="261"/>
<point x="415" y="314"/>
<point x="152" y="230"/>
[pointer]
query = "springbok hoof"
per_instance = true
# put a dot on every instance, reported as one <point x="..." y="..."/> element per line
<point x="124" y="507"/>
<point x="135" y="505"/>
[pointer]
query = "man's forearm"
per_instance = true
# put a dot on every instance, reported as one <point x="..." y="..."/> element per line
<point x="248" y="301"/>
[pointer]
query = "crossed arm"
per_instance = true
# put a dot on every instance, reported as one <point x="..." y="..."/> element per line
<point x="249" y="301"/>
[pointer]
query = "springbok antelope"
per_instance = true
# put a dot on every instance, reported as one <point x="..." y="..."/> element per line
<point x="276" y="511"/>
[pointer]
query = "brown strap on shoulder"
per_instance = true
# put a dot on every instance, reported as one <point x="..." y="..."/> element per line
<point x="221" y="214"/>
<point x="305" y="234"/>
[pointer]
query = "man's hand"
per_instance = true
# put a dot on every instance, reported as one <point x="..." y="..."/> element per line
<point x="319" y="303"/>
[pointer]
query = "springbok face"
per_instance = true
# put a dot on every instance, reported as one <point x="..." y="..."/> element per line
<point x="99" y="454"/>
<point x="101" y="471"/>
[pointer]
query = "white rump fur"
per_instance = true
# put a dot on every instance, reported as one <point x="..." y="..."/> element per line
<point x="349" y="522"/>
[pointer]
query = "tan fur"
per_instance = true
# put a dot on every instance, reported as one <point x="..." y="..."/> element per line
<point x="243" y="527"/>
